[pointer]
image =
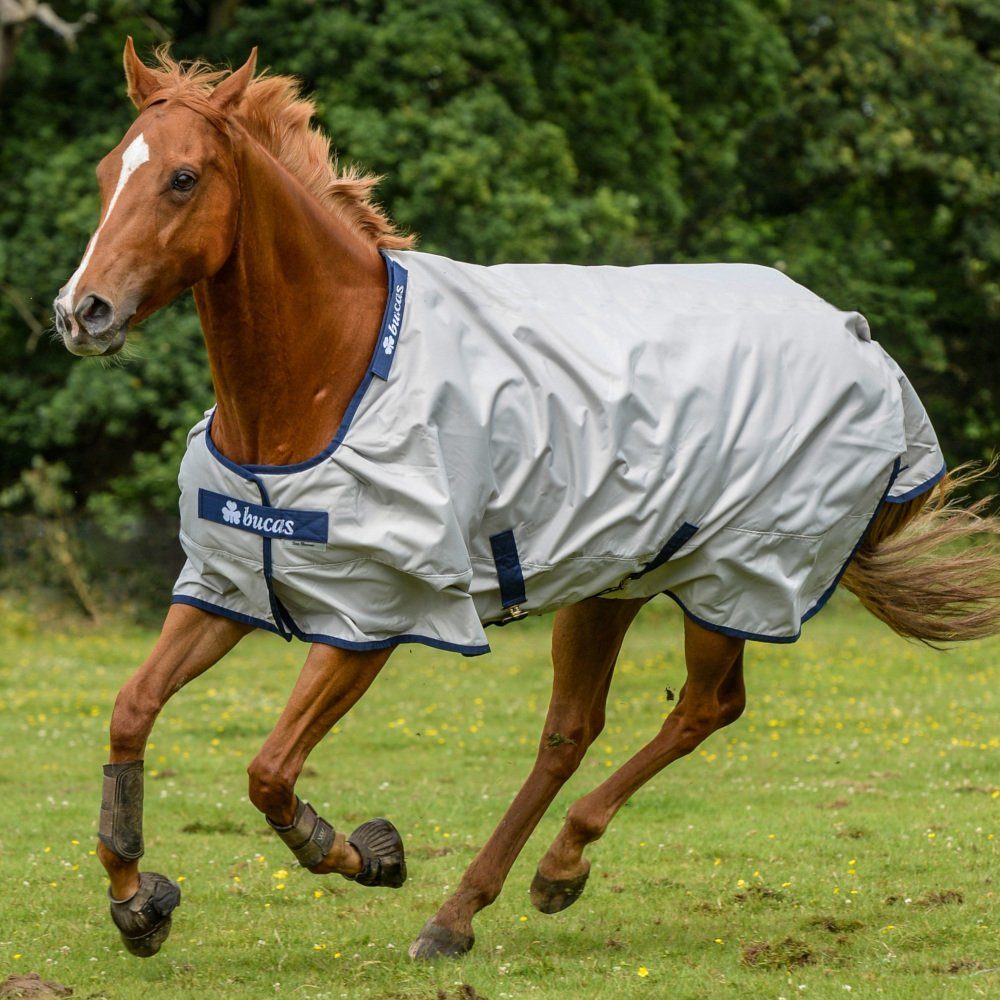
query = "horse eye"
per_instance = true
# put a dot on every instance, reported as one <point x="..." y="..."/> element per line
<point x="183" y="180"/>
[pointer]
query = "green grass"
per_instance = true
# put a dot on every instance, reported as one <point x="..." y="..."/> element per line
<point x="841" y="839"/>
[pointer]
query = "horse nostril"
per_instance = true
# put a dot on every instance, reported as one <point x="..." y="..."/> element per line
<point x="95" y="314"/>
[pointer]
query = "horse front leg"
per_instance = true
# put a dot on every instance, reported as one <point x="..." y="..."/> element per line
<point x="586" y="639"/>
<point x="190" y="642"/>
<point x="713" y="696"/>
<point x="331" y="681"/>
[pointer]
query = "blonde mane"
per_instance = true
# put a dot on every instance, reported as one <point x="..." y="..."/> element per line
<point x="276" y="114"/>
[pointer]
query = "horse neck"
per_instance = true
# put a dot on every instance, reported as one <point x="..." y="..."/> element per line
<point x="290" y="320"/>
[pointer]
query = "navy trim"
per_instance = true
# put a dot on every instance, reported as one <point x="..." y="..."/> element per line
<point x="392" y="321"/>
<point x="218" y="609"/>
<point x="508" y="568"/>
<point x="816" y="608"/>
<point x="329" y="640"/>
<point x="726" y="630"/>
<point x="828" y="593"/>
<point x="396" y="640"/>
<point x="231" y="512"/>
<point x="397" y="278"/>
<point x="679" y="538"/>
<point x="922" y="488"/>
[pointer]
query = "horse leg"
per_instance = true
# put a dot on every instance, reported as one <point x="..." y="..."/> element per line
<point x="190" y="642"/>
<point x="712" y="697"/>
<point x="331" y="681"/>
<point x="586" y="639"/>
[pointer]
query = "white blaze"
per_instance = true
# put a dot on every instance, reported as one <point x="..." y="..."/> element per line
<point x="134" y="157"/>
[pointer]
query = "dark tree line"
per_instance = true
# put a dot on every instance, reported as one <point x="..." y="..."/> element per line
<point x="855" y="145"/>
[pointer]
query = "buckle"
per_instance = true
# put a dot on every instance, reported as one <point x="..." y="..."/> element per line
<point x="514" y="612"/>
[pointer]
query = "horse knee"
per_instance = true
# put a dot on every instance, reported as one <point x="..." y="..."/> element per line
<point x="731" y="709"/>
<point x="561" y="753"/>
<point x="561" y="764"/>
<point x="697" y="726"/>
<point x="131" y="721"/>
<point x="269" y="790"/>
<point x="596" y="727"/>
<point x="695" y="729"/>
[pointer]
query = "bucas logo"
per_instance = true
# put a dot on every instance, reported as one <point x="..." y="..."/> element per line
<point x="250" y="521"/>
<point x="392" y="328"/>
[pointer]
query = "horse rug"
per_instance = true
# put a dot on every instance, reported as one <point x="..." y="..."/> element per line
<point x="528" y="436"/>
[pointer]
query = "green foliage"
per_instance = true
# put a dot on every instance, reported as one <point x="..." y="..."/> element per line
<point x="856" y="146"/>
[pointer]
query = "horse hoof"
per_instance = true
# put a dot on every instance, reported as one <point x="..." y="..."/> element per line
<point x="144" y="919"/>
<point x="381" y="849"/>
<point x="550" y="895"/>
<point x="437" y="941"/>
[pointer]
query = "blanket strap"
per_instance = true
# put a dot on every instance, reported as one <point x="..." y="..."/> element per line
<point x="512" y="595"/>
<point x="675" y="543"/>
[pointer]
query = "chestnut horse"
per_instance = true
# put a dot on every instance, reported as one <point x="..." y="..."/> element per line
<point x="222" y="185"/>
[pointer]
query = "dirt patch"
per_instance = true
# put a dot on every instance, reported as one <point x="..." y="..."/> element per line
<point x="857" y="787"/>
<point x="32" y="985"/>
<point x="852" y="833"/>
<point x="165" y="773"/>
<point x="959" y="967"/>
<point x="554" y="740"/>
<point x="783" y="954"/>
<point x="425" y="851"/>
<point x="949" y="897"/>
<point x="946" y="897"/>
<point x="223" y="826"/>
<point x="464" y="992"/>
<point x="761" y="892"/>
<point x="977" y="789"/>
<point x="835" y="804"/>
<point x="835" y="925"/>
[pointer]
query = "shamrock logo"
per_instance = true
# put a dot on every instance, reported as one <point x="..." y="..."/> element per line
<point x="230" y="514"/>
<point x="388" y="344"/>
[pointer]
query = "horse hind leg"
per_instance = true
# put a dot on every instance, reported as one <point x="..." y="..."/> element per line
<point x="331" y="681"/>
<point x="586" y="639"/>
<point x="191" y="641"/>
<point x="712" y="697"/>
<point x="550" y="895"/>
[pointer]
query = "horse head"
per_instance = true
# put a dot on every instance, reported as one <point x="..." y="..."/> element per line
<point x="169" y="207"/>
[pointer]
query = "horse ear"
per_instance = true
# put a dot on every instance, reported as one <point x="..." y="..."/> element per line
<point x="231" y="90"/>
<point x="141" y="80"/>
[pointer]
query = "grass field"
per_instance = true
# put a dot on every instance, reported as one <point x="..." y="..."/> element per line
<point x="841" y="839"/>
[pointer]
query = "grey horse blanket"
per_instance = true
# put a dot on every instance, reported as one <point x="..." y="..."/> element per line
<point x="528" y="436"/>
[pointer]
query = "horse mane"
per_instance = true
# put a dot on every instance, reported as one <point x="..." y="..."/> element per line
<point x="274" y="112"/>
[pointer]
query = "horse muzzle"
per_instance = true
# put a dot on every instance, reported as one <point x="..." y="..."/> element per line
<point x="93" y="327"/>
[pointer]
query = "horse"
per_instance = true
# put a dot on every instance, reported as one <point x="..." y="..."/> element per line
<point x="715" y="433"/>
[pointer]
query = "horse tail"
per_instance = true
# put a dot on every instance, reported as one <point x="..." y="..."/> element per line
<point x="930" y="567"/>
